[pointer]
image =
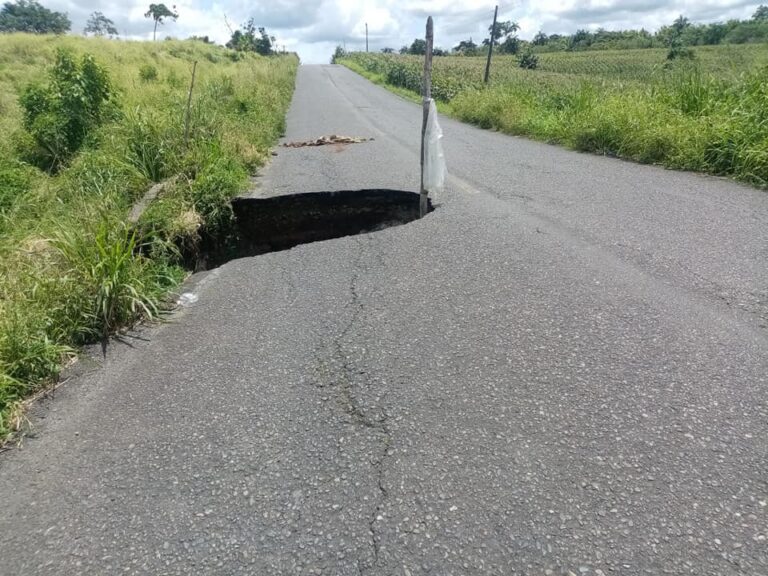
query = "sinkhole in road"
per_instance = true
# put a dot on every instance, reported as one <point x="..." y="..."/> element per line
<point x="281" y="222"/>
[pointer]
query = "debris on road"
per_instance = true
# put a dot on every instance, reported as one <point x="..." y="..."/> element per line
<point x="187" y="299"/>
<point x="326" y="140"/>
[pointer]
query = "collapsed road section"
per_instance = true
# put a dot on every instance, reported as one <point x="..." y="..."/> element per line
<point x="282" y="222"/>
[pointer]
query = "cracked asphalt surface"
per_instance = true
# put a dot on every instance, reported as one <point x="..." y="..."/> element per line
<point x="561" y="370"/>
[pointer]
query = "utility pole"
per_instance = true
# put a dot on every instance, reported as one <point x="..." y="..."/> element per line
<point x="366" y="36"/>
<point x="490" y="46"/>
<point x="427" y="96"/>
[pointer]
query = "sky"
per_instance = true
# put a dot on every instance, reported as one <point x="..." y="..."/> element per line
<point x="315" y="28"/>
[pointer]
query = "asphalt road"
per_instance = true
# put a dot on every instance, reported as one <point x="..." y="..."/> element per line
<point x="561" y="369"/>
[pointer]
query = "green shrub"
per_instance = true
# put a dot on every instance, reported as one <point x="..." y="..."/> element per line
<point x="59" y="116"/>
<point x="15" y="179"/>
<point x="27" y="353"/>
<point x="28" y="358"/>
<point x="103" y="175"/>
<point x="152" y="144"/>
<point x="679" y="52"/>
<point x="148" y="73"/>
<point x="528" y="60"/>
<point x="221" y="178"/>
<point x="602" y="137"/>
<point x="171" y="225"/>
<point x="123" y="286"/>
<point x="174" y="80"/>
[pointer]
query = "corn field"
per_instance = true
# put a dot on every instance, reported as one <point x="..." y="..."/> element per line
<point x="707" y="114"/>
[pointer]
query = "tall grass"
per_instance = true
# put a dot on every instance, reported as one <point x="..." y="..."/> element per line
<point x="708" y="115"/>
<point x="72" y="268"/>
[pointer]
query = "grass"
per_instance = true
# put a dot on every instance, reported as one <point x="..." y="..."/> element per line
<point x="73" y="269"/>
<point x="708" y="115"/>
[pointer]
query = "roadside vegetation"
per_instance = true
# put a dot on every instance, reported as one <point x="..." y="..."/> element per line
<point x="89" y="125"/>
<point x="685" y="106"/>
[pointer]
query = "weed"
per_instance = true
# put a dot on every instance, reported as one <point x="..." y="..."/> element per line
<point x="72" y="269"/>
<point x="15" y="179"/>
<point x="706" y="113"/>
<point x="148" y="73"/>
<point x="106" y="264"/>
<point x="28" y="359"/>
<point x="152" y="144"/>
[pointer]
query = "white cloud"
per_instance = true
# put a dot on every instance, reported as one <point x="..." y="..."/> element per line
<point x="314" y="28"/>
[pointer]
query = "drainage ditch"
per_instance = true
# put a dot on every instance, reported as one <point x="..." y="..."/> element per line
<point x="281" y="222"/>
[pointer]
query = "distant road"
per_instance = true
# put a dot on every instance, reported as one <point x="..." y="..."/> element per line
<point x="563" y="369"/>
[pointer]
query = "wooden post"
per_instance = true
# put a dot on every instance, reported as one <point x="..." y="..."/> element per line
<point x="189" y="105"/>
<point x="426" y="96"/>
<point x="366" y="36"/>
<point x="490" y="46"/>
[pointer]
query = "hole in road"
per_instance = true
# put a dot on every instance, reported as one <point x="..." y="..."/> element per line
<point x="281" y="222"/>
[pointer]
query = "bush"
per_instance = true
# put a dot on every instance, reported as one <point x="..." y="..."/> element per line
<point x="27" y="358"/>
<point x="107" y="266"/>
<point x="103" y="175"/>
<point x="528" y="60"/>
<point x="220" y="179"/>
<point x="60" y="115"/>
<point x="151" y="145"/>
<point x="148" y="73"/>
<point x="15" y="179"/>
<point x="679" y="52"/>
<point x="690" y="91"/>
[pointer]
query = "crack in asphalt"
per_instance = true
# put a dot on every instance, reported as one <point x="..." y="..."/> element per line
<point x="358" y="413"/>
<point x="343" y="381"/>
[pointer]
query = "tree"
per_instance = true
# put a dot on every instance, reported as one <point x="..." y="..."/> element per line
<point x="264" y="42"/>
<point x="582" y="39"/>
<point x="100" y="25"/>
<point x="511" y="45"/>
<point x="503" y="30"/>
<point x="761" y="14"/>
<point x="540" y="39"/>
<point x="680" y="24"/>
<point x="248" y="40"/>
<point x="714" y="33"/>
<point x="387" y="50"/>
<point x="338" y="54"/>
<point x="504" y="35"/>
<point x="31" y="16"/>
<point x="465" y="47"/>
<point x="158" y="12"/>
<point x="418" y="47"/>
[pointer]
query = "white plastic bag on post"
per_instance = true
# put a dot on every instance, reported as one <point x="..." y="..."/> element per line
<point x="434" y="159"/>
